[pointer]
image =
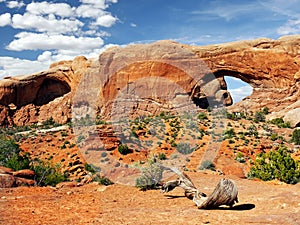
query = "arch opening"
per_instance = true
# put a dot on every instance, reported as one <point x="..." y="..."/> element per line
<point x="49" y="90"/>
<point x="238" y="88"/>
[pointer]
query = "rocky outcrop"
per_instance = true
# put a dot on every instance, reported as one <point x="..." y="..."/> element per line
<point x="149" y="78"/>
<point x="10" y="178"/>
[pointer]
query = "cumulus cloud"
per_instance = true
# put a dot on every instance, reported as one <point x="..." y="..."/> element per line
<point x="5" y="19"/>
<point x="15" y="4"/>
<point x="45" y="24"/>
<point x="46" y="8"/>
<point x="105" y="21"/>
<point x="43" y="41"/>
<point x="86" y="11"/>
<point x="10" y="66"/>
<point x="60" y="30"/>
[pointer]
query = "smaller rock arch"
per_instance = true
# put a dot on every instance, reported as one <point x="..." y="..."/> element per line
<point x="49" y="90"/>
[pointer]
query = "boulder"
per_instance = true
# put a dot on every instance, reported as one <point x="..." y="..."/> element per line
<point x="293" y="117"/>
<point x="26" y="173"/>
<point x="7" y="181"/>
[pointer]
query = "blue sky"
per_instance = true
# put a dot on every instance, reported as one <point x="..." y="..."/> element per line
<point x="34" y="34"/>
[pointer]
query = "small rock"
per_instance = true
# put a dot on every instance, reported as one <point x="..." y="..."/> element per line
<point x="24" y="182"/>
<point x="67" y="184"/>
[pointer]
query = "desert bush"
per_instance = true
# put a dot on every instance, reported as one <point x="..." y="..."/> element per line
<point x="185" y="148"/>
<point x="259" y="117"/>
<point x="207" y="165"/>
<point x="202" y="116"/>
<point x="102" y="180"/>
<point x="229" y="133"/>
<point x="280" y="123"/>
<point x="151" y="175"/>
<point x="123" y="149"/>
<point x="46" y="174"/>
<point x="240" y="157"/>
<point x="162" y="156"/>
<point x="265" y="110"/>
<point x="296" y="136"/>
<point x="90" y="168"/>
<point x="276" y="165"/>
<point x="10" y="155"/>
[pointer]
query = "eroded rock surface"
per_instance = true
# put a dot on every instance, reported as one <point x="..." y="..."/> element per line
<point x="150" y="78"/>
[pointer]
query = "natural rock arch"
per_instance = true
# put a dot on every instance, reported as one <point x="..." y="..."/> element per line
<point x="49" y="90"/>
<point x="162" y="83"/>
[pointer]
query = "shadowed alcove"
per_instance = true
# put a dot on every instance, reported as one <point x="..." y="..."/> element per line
<point x="51" y="89"/>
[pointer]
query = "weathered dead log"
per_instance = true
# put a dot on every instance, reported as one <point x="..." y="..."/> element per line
<point x="225" y="192"/>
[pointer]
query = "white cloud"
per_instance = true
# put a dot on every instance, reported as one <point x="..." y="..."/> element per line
<point x="42" y="24"/>
<point x="35" y="41"/>
<point x="45" y="8"/>
<point x="58" y="29"/>
<point x="291" y="27"/>
<point x="5" y="19"/>
<point x="86" y="11"/>
<point x="288" y="9"/>
<point x="100" y="4"/>
<point x="15" y="4"/>
<point x="105" y="21"/>
<point x="228" y="11"/>
<point x="238" y="94"/>
<point x="133" y="25"/>
<point x="13" y="66"/>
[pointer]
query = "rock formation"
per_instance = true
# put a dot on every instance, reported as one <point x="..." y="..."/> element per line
<point x="10" y="178"/>
<point x="153" y="77"/>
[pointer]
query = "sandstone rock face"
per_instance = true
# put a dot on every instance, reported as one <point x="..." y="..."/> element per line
<point x="150" y="78"/>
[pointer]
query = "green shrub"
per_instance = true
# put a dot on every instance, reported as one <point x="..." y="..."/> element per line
<point x="151" y="175"/>
<point x="90" y="168"/>
<point x="123" y="149"/>
<point x="185" y="148"/>
<point x="10" y="155"/>
<point x="259" y="117"/>
<point x="296" y="136"/>
<point x="207" y="165"/>
<point x="162" y="156"/>
<point x="280" y="123"/>
<point x="102" y="180"/>
<point x="274" y="136"/>
<point x="202" y="116"/>
<point x="229" y="133"/>
<point x="46" y="174"/>
<point x="265" y="110"/>
<point x="276" y="165"/>
<point x="240" y="157"/>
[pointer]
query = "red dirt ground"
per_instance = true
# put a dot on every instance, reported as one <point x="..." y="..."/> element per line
<point x="259" y="203"/>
